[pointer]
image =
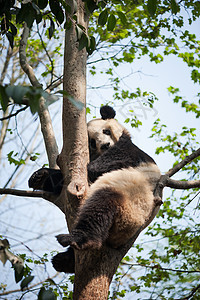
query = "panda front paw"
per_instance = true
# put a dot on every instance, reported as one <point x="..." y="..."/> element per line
<point x="64" y="239"/>
<point x="37" y="179"/>
<point x="78" y="241"/>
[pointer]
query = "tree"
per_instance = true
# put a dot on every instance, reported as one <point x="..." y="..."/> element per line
<point x="149" y="20"/>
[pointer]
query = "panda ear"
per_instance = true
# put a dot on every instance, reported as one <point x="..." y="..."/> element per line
<point x="107" y="112"/>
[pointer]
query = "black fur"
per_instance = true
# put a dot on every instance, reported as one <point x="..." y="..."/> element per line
<point x="96" y="216"/>
<point x="64" y="261"/>
<point x="123" y="154"/>
<point x="107" y="112"/>
<point x="94" y="221"/>
<point x="48" y="180"/>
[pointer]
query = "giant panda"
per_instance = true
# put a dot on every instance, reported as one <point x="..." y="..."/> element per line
<point x="122" y="180"/>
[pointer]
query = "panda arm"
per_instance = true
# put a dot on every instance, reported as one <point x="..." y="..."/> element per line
<point x="114" y="158"/>
<point x="123" y="154"/>
<point x="48" y="180"/>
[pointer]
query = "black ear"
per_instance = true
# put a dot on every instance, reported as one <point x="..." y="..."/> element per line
<point x="107" y="112"/>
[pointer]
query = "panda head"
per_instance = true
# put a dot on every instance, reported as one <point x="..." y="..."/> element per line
<point x="103" y="133"/>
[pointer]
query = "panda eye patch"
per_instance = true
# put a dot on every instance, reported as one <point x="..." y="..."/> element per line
<point x="93" y="143"/>
<point x="107" y="131"/>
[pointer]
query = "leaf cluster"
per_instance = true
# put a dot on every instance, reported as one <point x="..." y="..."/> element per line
<point x="18" y="94"/>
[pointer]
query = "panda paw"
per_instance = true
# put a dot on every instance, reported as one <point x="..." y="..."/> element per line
<point x="64" y="261"/>
<point x="64" y="239"/>
<point x="37" y="179"/>
<point x="78" y="241"/>
<point x="68" y="239"/>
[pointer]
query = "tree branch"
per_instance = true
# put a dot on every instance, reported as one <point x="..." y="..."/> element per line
<point x="27" y="288"/>
<point x="34" y="194"/>
<point x="21" y="193"/>
<point x="14" y="114"/>
<point x="184" y="162"/>
<point x="189" y="296"/>
<point x="22" y="57"/>
<point x="184" y="185"/>
<point x="45" y="119"/>
<point x="6" y="63"/>
<point x="161" y="268"/>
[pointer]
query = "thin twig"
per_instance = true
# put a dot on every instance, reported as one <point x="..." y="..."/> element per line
<point x="27" y="288"/>
<point x="14" y="114"/>
<point x="161" y="268"/>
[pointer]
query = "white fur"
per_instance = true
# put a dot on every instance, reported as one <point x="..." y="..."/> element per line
<point x="136" y="186"/>
<point x="95" y="131"/>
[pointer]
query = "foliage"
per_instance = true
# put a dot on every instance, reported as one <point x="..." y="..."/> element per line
<point x="120" y="32"/>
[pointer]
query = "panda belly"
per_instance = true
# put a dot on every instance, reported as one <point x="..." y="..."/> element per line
<point x="135" y="189"/>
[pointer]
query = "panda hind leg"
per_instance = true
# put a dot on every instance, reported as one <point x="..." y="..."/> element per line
<point x="94" y="222"/>
<point x="64" y="261"/>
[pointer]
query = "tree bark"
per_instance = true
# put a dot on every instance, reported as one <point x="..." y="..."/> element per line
<point x="74" y="155"/>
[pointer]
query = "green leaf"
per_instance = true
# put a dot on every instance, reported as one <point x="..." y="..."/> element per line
<point x="79" y="31"/>
<point x="18" y="275"/>
<point x="78" y="104"/>
<point x="25" y="282"/>
<point x="10" y="37"/>
<point x="4" y="99"/>
<point x="83" y="42"/>
<point x="51" y="29"/>
<point x="26" y="14"/>
<point x="13" y="160"/>
<point x="13" y="29"/>
<point x="68" y="24"/>
<point x="122" y="17"/>
<point x="91" y="5"/>
<point x="42" y="3"/>
<point x="151" y="7"/>
<point x="16" y="92"/>
<point x="103" y="17"/>
<point x="36" y="8"/>
<point x="57" y="10"/>
<point x="46" y="294"/>
<point x="174" y="7"/>
<point x="111" y="23"/>
<point x="51" y="281"/>
<point x="90" y="49"/>
<point x="38" y="15"/>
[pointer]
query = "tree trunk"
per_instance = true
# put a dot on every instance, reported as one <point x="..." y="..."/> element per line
<point x="74" y="155"/>
<point x="94" y="270"/>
